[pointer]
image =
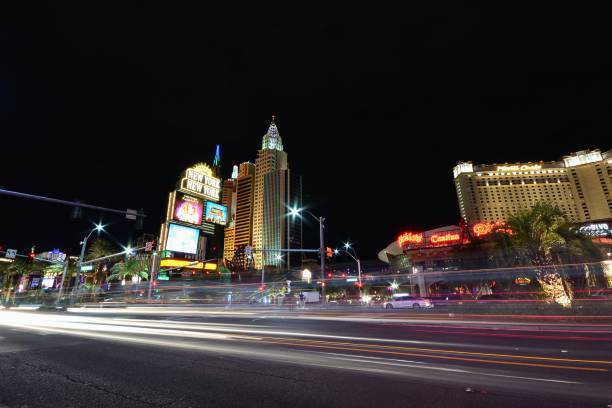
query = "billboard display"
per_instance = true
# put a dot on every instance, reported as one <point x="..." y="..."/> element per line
<point x="188" y="209"/>
<point x="216" y="213"/>
<point x="182" y="239"/>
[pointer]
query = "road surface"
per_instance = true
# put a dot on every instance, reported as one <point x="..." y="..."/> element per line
<point x="219" y="357"/>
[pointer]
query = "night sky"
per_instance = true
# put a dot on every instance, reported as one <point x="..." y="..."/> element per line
<point x="375" y="104"/>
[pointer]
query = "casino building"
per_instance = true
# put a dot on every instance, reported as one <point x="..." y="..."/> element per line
<point x="444" y="259"/>
<point x="580" y="184"/>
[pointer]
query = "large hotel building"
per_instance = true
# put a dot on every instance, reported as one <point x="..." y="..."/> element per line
<point x="263" y="194"/>
<point x="580" y="184"/>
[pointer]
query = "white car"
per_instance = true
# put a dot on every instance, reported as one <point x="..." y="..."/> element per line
<point x="400" y="300"/>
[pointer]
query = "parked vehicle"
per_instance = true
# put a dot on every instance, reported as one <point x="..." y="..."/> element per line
<point x="404" y="300"/>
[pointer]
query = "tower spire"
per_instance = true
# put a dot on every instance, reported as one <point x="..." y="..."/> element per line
<point x="272" y="139"/>
<point x="217" y="159"/>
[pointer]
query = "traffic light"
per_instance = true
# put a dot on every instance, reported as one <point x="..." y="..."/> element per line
<point x="329" y="252"/>
<point x="322" y="284"/>
<point x="31" y="255"/>
<point x="262" y="287"/>
<point x="329" y="275"/>
<point x="149" y="246"/>
<point x="359" y="284"/>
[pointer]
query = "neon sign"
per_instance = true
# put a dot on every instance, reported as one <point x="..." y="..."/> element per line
<point x="199" y="180"/>
<point x="414" y="238"/>
<point x="523" y="167"/>
<point x="482" y="229"/>
<point x="448" y="237"/>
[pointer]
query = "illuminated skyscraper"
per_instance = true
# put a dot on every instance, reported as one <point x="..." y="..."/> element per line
<point x="270" y="159"/>
<point x="282" y="190"/>
<point x="228" y="199"/>
<point x="245" y="188"/>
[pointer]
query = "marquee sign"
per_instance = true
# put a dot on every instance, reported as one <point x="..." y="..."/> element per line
<point x="520" y="167"/>
<point x="445" y="238"/>
<point x="482" y="229"/>
<point x="199" y="180"/>
<point x="410" y="238"/>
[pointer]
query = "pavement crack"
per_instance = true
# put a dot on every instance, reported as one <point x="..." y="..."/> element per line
<point x="50" y="371"/>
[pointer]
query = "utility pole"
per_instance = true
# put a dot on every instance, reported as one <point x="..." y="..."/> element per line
<point x="61" y="288"/>
<point x="153" y="273"/>
<point x="322" y="250"/>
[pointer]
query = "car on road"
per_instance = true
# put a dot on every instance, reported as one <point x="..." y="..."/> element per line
<point x="404" y="300"/>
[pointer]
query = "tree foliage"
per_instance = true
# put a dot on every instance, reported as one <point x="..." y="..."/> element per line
<point x="129" y="268"/>
<point x="542" y="235"/>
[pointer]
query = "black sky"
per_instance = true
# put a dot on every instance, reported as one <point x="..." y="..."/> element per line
<point x="375" y="103"/>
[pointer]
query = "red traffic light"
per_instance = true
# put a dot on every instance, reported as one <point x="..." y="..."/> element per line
<point x="262" y="287"/>
<point x="329" y="275"/>
<point x="359" y="284"/>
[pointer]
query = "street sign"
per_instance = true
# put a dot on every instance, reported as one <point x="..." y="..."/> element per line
<point x="351" y="279"/>
<point x="11" y="253"/>
<point x="54" y="255"/>
<point x="86" y="268"/>
<point x="131" y="214"/>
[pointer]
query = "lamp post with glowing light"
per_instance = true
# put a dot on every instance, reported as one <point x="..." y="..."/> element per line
<point x="99" y="228"/>
<point x="295" y="212"/>
<point x="348" y="249"/>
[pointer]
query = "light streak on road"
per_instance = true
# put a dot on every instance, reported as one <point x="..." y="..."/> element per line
<point x="447" y="362"/>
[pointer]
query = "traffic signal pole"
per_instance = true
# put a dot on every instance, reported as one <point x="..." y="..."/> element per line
<point x="322" y="250"/>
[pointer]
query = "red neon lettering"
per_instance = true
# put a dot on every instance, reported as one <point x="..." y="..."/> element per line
<point x="410" y="238"/>
<point x="485" y="228"/>
<point x="448" y="237"/>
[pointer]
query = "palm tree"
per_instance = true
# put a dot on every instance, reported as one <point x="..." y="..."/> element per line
<point x="129" y="268"/>
<point x="99" y="248"/>
<point x="16" y="269"/>
<point x="538" y="235"/>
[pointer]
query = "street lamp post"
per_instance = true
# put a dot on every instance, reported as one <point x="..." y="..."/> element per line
<point x="99" y="227"/>
<point x="296" y="212"/>
<point x="354" y="256"/>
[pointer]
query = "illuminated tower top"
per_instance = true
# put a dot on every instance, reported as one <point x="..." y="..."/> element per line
<point x="217" y="159"/>
<point x="272" y="139"/>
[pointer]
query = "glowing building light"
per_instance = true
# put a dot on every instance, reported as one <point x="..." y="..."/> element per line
<point x="445" y="238"/>
<point x="410" y="238"/>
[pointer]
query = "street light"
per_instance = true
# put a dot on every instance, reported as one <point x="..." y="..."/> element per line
<point x="296" y="212"/>
<point x="350" y="251"/>
<point x="99" y="228"/>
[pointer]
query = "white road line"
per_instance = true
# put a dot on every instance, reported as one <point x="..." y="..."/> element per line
<point x="426" y="366"/>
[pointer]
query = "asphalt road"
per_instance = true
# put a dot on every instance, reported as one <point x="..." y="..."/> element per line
<point x="209" y="357"/>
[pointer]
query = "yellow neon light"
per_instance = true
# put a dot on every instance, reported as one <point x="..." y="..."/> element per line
<point x="174" y="263"/>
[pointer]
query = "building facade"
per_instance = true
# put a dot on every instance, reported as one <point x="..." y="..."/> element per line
<point x="580" y="184"/>
<point x="245" y="189"/>
<point x="282" y="190"/>
<point x="228" y="199"/>
<point x="270" y="158"/>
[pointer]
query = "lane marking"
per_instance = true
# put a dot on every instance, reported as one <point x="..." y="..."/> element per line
<point x="477" y="360"/>
<point x="470" y="353"/>
<point x="422" y="366"/>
